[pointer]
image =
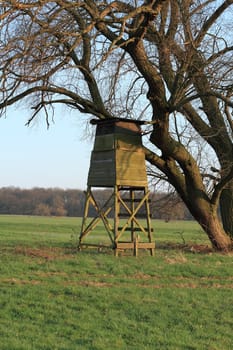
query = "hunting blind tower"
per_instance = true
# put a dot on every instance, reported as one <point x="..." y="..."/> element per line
<point x="118" y="163"/>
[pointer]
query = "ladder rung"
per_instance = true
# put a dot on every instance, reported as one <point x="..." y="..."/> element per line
<point x="129" y="200"/>
<point x="135" y="229"/>
<point x="143" y="216"/>
<point x="135" y="200"/>
<point x="131" y="245"/>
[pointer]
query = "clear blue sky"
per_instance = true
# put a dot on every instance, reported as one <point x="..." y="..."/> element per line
<point x="36" y="157"/>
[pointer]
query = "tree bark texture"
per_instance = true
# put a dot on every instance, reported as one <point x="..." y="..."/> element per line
<point x="206" y="215"/>
<point x="226" y="209"/>
<point x="211" y="224"/>
<point x="216" y="233"/>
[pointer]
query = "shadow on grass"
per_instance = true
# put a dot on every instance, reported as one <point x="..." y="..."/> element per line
<point x="51" y="253"/>
<point x="193" y="248"/>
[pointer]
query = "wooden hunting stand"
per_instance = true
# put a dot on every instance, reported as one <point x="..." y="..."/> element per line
<point x="118" y="163"/>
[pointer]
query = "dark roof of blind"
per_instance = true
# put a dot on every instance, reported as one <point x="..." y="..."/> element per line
<point x="115" y="120"/>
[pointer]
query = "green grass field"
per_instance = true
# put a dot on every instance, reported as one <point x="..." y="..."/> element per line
<point x="53" y="297"/>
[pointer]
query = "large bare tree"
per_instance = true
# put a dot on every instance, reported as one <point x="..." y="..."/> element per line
<point x="166" y="61"/>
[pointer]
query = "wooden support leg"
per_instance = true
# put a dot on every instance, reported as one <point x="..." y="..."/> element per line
<point x="136" y="246"/>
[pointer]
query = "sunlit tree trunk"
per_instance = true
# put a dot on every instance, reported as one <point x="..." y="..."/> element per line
<point x="226" y="209"/>
<point x="189" y="186"/>
<point x="211" y="224"/>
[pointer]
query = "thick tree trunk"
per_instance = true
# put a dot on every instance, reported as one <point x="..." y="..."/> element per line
<point x="192" y="192"/>
<point x="218" y="237"/>
<point x="211" y="224"/>
<point x="226" y="209"/>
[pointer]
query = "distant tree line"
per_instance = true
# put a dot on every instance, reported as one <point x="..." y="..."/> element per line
<point x="70" y="202"/>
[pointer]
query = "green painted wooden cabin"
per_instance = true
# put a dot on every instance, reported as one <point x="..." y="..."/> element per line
<point x="118" y="157"/>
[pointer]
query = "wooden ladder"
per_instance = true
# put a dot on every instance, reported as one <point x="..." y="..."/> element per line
<point x="130" y="205"/>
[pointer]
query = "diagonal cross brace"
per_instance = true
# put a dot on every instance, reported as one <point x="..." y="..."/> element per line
<point x="132" y="214"/>
<point x="102" y="215"/>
